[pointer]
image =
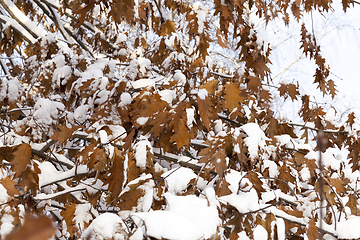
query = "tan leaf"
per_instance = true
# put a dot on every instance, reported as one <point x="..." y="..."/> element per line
<point x="116" y="178"/>
<point x="68" y="217"/>
<point x="130" y="199"/>
<point x="285" y="175"/>
<point x="21" y="158"/>
<point x="255" y="180"/>
<point x="63" y="133"/>
<point x="232" y="96"/>
<point x="222" y="188"/>
<point x="205" y="111"/>
<point x="210" y="86"/>
<point x="98" y="159"/>
<point x="352" y="204"/>
<point x="133" y="171"/>
<point x="9" y="185"/>
<point x="182" y="136"/>
<point x="218" y="159"/>
<point x="289" y="90"/>
<point x="29" y="178"/>
<point x="40" y="228"/>
<point x="312" y="232"/>
<point x="338" y="184"/>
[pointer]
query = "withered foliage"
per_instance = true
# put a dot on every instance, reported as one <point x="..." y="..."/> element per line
<point x="109" y="94"/>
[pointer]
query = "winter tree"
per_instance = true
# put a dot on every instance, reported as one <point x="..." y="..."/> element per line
<point x="157" y="120"/>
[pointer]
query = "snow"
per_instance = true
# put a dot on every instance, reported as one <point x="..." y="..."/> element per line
<point x="6" y="221"/>
<point x="244" y="201"/>
<point x="141" y="152"/>
<point x="328" y="159"/>
<point x="202" y="93"/>
<point x="10" y="89"/>
<point x="142" y="120"/>
<point x="143" y="83"/>
<point x="178" y="179"/>
<point x="242" y="236"/>
<point x="125" y="98"/>
<point x="186" y="218"/>
<point x="3" y="194"/>
<point x="47" y="111"/>
<point x="80" y="112"/>
<point x="346" y="229"/>
<point x="179" y="76"/>
<point x="273" y="168"/>
<point x="49" y="174"/>
<point x="260" y="233"/>
<point x="18" y="27"/>
<point x="82" y="215"/>
<point x="305" y="174"/>
<point x="201" y="15"/>
<point x="280" y="224"/>
<point x="103" y="137"/>
<point x="190" y="116"/>
<point x="256" y="138"/>
<point x="167" y="95"/>
<point x="24" y="19"/>
<point x="105" y="226"/>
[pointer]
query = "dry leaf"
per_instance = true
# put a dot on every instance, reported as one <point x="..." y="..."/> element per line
<point x="232" y="96"/>
<point x="21" y="158"/>
<point x="39" y="228"/>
